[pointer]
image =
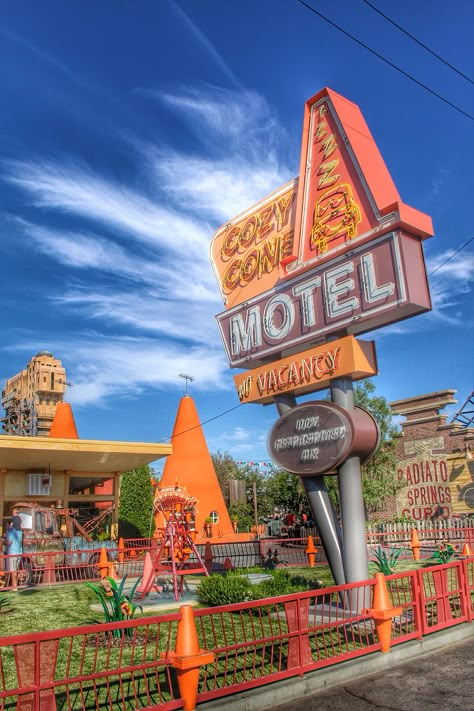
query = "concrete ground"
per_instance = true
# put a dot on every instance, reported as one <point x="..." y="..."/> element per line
<point x="435" y="674"/>
<point x="441" y="681"/>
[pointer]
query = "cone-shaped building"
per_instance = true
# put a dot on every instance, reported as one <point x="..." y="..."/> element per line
<point x="191" y="465"/>
<point x="64" y="426"/>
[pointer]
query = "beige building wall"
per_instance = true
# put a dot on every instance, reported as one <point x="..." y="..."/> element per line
<point x="30" y="397"/>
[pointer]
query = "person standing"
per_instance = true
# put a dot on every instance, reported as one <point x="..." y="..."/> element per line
<point x="14" y="549"/>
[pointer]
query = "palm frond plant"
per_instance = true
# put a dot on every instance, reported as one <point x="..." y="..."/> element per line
<point x="5" y="605"/>
<point x="384" y="563"/>
<point x="116" y="605"/>
<point x="444" y="552"/>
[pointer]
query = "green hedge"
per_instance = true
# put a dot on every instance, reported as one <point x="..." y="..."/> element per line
<point x="234" y="588"/>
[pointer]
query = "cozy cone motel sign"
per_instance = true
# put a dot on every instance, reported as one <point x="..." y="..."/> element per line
<point x="330" y="255"/>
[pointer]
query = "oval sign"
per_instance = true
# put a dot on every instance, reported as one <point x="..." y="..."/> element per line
<point x="312" y="438"/>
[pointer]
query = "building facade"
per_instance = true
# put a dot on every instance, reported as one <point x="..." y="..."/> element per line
<point x="435" y="460"/>
<point x="30" y="397"/>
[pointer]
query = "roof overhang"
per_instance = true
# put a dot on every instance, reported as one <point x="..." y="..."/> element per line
<point x="77" y="455"/>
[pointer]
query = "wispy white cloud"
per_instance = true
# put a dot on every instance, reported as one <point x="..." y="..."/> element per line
<point x="240" y="440"/>
<point x="102" y="368"/>
<point x="86" y="251"/>
<point x="218" y="189"/>
<point x="46" y="58"/>
<point x="134" y="256"/>
<point x="450" y="283"/>
<point x="243" y="158"/>
<point x="70" y="187"/>
<point x="204" y="42"/>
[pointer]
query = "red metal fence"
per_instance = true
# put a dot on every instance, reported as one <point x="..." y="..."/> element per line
<point x="130" y="665"/>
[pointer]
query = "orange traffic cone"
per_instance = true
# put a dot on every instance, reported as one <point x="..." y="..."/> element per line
<point x="103" y="563"/>
<point x="188" y="657"/>
<point x="383" y="612"/>
<point x="147" y="575"/>
<point x="111" y="573"/>
<point x="310" y="551"/>
<point x="415" y="544"/>
<point x="466" y="551"/>
<point x="121" y="547"/>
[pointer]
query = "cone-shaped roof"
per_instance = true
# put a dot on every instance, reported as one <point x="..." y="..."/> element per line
<point x="63" y="426"/>
<point x="191" y="465"/>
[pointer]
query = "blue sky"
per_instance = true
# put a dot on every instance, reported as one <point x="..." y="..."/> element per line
<point x="130" y="131"/>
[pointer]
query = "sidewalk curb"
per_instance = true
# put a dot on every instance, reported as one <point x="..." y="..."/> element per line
<point x="289" y="690"/>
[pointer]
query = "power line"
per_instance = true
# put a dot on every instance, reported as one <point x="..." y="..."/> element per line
<point x="453" y="255"/>
<point x="402" y="29"/>
<point x="203" y="423"/>
<point x="387" y="61"/>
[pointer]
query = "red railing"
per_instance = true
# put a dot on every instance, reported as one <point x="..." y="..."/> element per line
<point x="47" y="567"/>
<point x="130" y="664"/>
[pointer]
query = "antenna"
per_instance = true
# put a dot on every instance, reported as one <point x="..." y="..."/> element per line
<point x="187" y="378"/>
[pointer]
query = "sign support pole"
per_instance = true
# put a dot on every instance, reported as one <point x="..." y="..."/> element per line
<point x="355" y="557"/>
<point x="322" y="508"/>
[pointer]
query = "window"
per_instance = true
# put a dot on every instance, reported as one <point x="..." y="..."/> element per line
<point x="214" y="516"/>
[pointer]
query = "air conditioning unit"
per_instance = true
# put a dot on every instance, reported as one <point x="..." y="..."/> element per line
<point x="39" y="484"/>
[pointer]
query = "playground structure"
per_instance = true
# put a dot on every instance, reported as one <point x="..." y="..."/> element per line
<point x="176" y="541"/>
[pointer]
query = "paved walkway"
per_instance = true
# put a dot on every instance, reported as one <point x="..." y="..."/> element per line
<point x="441" y="681"/>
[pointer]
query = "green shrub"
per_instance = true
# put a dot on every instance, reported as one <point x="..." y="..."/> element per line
<point x="224" y="590"/>
<point x="281" y="583"/>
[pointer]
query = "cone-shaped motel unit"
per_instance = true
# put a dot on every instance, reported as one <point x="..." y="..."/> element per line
<point x="191" y="466"/>
<point x="64" y="426"/>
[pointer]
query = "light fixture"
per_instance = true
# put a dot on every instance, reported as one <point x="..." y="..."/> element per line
<point x="467" y="452"/>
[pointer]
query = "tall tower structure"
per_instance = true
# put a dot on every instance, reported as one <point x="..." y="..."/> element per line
<point x="30" y="397"/>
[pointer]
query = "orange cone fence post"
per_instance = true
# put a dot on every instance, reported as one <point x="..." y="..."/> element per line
<point x="208" y="557"/>
<point x="121" y="547"/>
<point x="466" y="551"/>
<point x="103" y="563"/>
<point x="311" y="551"/>
<point x="382" y="612"/>
<point x="415" y="544"/>
<point x="188" y="657"/>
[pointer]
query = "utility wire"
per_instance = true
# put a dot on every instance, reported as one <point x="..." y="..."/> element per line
<point x="402" y="29"/>
<point x="216" y="417"/>
<point x="449" y="258"/>
<point x="202" y="423"/>
<point x="387" y="61"/>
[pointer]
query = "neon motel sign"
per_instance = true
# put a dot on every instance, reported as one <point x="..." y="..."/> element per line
<point x="376" y="284"/>
<point x="333" y="252"/>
